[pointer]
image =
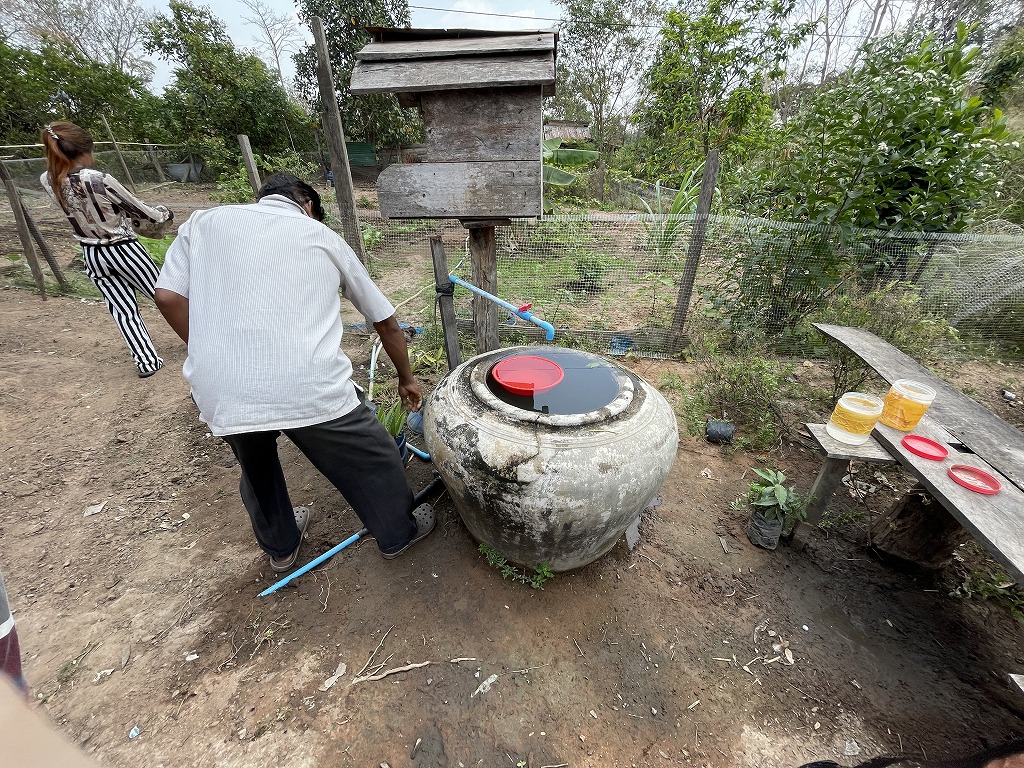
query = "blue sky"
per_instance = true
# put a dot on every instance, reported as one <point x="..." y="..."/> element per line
<point x="466" y="14"/>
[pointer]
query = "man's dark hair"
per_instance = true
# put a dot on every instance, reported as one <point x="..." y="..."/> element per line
<point x="295" y="189"/>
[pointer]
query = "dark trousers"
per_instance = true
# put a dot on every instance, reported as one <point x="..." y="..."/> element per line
<point x="355" y="453"/>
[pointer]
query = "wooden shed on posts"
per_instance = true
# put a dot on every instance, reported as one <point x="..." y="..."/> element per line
<point x="480" y="94"/>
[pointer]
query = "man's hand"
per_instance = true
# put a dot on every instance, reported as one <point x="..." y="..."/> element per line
<point x="393" y="338"/>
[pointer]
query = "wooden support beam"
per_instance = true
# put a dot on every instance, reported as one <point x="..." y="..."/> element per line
<point x="335" y="135"/>
<point x="44" y="248"/>
<point x="23" y="231"/>
<point x="250" y="164"/>
<point x="483" y="251"/>
<point x="700" y="223"/>
<point x="444" y="287"/>
<point x="117" y="151"/>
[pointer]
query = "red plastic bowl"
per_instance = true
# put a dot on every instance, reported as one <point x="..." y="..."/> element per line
<point x="527" y="374"/>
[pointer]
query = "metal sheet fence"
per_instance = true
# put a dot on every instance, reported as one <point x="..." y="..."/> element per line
<point x="611" y="282"/>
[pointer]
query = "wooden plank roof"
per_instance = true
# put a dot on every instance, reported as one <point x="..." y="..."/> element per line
<point x="419" y="60"/>
<point x="459" y="46"/>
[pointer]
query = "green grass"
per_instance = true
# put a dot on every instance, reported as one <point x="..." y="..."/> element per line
<point x="157" y="248"/>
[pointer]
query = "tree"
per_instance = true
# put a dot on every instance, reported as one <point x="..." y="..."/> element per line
<point x="279" y="34"/>
<point x="604" y="48"/>
<point x="899" y="144"/>
<point x="218" y="92"/>
<point x="377" y="119"/>
<point x="58" y="83"/>
<point x="107" y="32"/>
<point x="707" y="86"/>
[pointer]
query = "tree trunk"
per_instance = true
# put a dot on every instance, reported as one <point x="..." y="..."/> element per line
<point x="918" y="532"/>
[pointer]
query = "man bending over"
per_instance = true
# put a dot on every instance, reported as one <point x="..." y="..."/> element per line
<point x="253" y="292"/>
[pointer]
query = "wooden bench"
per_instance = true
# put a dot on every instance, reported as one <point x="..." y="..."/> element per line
<point x="973" y="435"/>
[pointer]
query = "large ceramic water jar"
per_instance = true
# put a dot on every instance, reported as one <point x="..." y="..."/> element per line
<point x="548" y="453"/>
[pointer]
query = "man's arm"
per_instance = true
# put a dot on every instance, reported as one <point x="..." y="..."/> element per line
<point x="393" y="338"/>
<point x="174" y="307"/>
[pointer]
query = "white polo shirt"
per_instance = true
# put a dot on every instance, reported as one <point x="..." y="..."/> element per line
<point x="264" y="349"/>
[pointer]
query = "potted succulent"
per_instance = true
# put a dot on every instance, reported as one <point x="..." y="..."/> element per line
<point x="393" y="420"/>
<point x="772" y="506"/>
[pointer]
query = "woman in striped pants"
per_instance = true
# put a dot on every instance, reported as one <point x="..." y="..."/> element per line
<point x="104" y="216"/>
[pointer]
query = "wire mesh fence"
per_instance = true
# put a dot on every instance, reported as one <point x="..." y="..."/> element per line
<point x="615" y="282"/>
<point x="140" y="161"/>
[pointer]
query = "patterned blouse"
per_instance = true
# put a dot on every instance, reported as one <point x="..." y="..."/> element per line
<point x="100" y="209"/>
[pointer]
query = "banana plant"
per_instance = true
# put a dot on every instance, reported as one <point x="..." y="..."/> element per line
<point x="555" y="155"/>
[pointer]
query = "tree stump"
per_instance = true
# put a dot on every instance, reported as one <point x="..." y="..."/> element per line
<point x="918" y="532"/>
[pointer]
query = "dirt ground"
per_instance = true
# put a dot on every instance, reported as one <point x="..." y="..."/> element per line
<point x="145" y="614"/>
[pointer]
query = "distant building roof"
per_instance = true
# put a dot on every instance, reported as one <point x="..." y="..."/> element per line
<point x="567" y="130"/>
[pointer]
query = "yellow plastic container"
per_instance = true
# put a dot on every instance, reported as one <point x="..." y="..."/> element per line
<point x="854" y="417"/>
<point x="905" y="404"/>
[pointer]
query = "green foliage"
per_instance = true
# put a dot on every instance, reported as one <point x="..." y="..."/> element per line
<point x="58" y="83"/>
<point x="892" y="312"/>
<point x="540" y="575"/>
<point x="978" y="576"/>
<point x="1000" y="82"/>
<point x="392" y="417"/>
<point x="601" y="55"/>
<point x="156" y="248"/>
<point x="772" y="498"/>
<point x="372" y="237"/>
<point x="662" y="234"/>
<point x="235" y="187"/>
<point x="377" y="119"/>
<point x="218" y="92"/>
<point x="897" y="144"/>
<point x="746" y="387"/>
<point x="707" y="83"/>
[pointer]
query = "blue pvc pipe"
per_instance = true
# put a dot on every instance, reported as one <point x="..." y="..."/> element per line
<point x="549" y="329"/>
<point x="422" y="454"/>
<point x="313" y="564"/>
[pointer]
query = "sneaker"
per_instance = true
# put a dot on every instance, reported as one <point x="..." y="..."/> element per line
<point x="425" y="522"/>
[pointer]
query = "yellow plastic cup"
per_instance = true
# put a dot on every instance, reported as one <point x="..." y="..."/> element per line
<point x="905" y="404"/>
<point x="854" y="417"/>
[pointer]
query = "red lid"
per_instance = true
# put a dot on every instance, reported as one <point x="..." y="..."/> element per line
<point x="527" y="374"/>
<point x="922" y="446"/>
<point x="974" y="479"/>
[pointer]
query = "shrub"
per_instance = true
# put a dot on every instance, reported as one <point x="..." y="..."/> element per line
<point x="894" y="313"/>
<point x="744" y="386"/>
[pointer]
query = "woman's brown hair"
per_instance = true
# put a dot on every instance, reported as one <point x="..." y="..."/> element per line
<point x="63" y="143"/>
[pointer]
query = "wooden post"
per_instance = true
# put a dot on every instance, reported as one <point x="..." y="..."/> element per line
<point x="444" y="286"/>
<point x="155" y="161"/>
<point x="44" y="248"/>
<point x="335" y="135"/>
<point x="23" y="232"/>
<point x="700" y="223"/>
<point x="117" y="150"/>
<point x="483" y="250"/>
<point x="250" y="164"/>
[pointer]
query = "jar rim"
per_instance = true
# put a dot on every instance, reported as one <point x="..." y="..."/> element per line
<point x="914" y="389"/>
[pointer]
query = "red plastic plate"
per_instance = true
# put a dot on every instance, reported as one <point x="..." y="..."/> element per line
<point x="527" y="374"/>
<point x="924" y="447"/>
<point x="974" y="479"/>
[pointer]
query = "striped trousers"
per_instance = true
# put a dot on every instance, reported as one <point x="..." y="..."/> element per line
<point x="119" y="270"/>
